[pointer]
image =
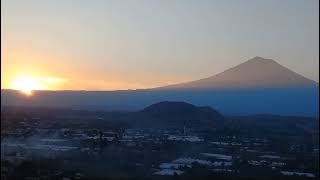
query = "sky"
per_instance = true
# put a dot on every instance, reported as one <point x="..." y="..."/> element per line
<point x="125" y="44"/>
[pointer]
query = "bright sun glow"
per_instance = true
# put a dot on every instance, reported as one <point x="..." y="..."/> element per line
<point x="27" y="84"/>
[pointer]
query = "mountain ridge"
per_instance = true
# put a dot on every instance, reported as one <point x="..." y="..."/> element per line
<point x="253" y="73"/>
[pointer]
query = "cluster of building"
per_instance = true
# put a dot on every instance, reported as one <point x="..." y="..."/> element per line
<point x="220" y="154"/>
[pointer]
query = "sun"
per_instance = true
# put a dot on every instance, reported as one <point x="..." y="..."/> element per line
<point x="27" y="84"/>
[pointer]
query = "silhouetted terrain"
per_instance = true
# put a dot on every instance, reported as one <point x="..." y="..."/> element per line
<point x="256" y="86"/>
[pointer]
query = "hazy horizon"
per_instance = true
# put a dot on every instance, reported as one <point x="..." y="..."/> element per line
<point x="233" y="76"/>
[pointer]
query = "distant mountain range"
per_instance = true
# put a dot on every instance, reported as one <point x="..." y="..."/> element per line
<point x="254" y="73"/>
<point x="256" y="86"/>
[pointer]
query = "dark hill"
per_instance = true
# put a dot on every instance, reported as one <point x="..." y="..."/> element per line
<point x="179" y="114"/>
